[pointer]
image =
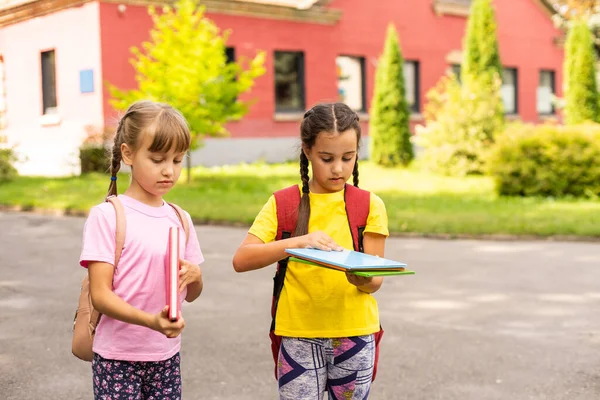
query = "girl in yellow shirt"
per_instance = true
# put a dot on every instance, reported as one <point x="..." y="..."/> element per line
<point x="326" y="318"/>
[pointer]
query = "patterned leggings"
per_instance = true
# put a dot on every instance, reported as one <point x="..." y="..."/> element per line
<point x="137" y="380"/>
<point x="343" y="367"/>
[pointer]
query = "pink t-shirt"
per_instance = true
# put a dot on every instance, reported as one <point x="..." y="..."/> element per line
<point x="140" y="277"/>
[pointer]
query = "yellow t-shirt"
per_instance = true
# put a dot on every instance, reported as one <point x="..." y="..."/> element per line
<point x="318" y="302"/>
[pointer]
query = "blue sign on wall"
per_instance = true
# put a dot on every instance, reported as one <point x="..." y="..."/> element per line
<point x="86" y="81"/>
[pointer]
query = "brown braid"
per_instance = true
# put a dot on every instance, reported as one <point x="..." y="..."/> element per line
<point x="355" y="172"/>
<point x="304" y="209"/>
<point x="116" y="157"/>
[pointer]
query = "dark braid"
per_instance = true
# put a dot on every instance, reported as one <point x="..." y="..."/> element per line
<point x="304" y="208"/>
<point x="304" y="172"/>
<point x="325" y="117"/>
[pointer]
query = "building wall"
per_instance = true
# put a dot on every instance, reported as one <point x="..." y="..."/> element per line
<point x="526" y="38"/>
<point x="526" y="35"/>
<point x="50" y="142"/>
<point x="99" y="36"/>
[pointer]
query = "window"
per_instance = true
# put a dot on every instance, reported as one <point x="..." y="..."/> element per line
<point x="509" y="90"/>
<point x="228" y="98"/>
<point x="48" y="82"/>
<point x="2" y="94"/>
<point x="456" y="70"/>
<point x="411" y="82"/>
<point x="545" y="93"/>
<point x="351" y="81"/>
<point x="230" y="54"/>
<point x="289" y="81"/>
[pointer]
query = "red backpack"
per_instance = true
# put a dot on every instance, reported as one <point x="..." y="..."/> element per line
<point x="288" y="200"/>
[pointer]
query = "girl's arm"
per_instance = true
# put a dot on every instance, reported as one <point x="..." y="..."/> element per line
<point x="108" y="303"/>
<point x="373" y="244"/>
<point x="194" y="291"/>
<point x="253" y="253"/>
<point x="190" y="275"/>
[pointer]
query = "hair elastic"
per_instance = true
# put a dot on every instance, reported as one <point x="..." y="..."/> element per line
<point x="113" y="178"/>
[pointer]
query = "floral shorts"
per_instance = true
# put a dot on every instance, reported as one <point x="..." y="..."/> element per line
<point x="137" y="380"/>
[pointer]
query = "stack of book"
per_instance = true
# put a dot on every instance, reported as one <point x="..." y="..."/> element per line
<point x="349" y="261"/>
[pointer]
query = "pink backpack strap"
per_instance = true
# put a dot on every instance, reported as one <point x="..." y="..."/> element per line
<point x="120" y="230"/>
<point x="183" y="219"/>
<point x="358" y="204"/>
<point x="120" y="227"/>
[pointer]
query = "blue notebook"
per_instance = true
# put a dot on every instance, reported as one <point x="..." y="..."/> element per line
<point x="381" y="272"/>
<point x="347" y="260"/>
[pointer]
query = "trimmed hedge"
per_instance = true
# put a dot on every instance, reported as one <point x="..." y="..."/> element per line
<point x="547" y="160"/>
<point x="93" y="159"/>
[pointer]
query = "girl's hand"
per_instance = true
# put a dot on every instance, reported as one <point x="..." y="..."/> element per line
<point x="188" y="273"/>
<point x="320" y="240"/>
<point x="163" y="324"/>
<point x="358" y="280"/>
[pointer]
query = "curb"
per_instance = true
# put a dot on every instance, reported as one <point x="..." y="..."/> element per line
<point x="44" y="211"/>
<point x="499" y="237"/>
<point x="410" y="235"/>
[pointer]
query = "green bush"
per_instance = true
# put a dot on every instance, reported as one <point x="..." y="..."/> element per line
<point x="94" y="158"/>
<point x="7" y="171"/>
<point x="389" y="124"/>
<point x="547" y="160"/>
<point x="460" y="124"/>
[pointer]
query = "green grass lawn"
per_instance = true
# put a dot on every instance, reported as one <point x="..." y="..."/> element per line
<point x="416" y="202"/>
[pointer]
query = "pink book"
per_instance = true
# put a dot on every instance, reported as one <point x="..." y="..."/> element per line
<point x="173" y="274"/>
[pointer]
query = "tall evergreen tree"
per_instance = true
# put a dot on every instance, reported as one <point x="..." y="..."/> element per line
<point x="389" y="125"/>
<point x="481" y="67"/>
<point x="481" y="54"/>
<point x="582" y="101"/>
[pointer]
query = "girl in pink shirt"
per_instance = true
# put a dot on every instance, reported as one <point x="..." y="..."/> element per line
<point x="136" y="345"/>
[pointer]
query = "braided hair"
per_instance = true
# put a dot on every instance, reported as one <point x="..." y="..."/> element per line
<point x="166" y="125"/>
<point x="324" y="117"/>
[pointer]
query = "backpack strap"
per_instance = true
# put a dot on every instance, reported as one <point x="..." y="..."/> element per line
<point x="287" y="202"/>
<point x="183" y="219"/>
<point x="358" y="203"/>
<point x="120" y="230"/>
<point x="120" y="227"/>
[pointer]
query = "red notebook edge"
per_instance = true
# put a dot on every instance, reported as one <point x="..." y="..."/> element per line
<point x="173" y="274"/>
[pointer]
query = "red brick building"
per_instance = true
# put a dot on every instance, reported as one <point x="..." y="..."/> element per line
<point x="58" y="52"/>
